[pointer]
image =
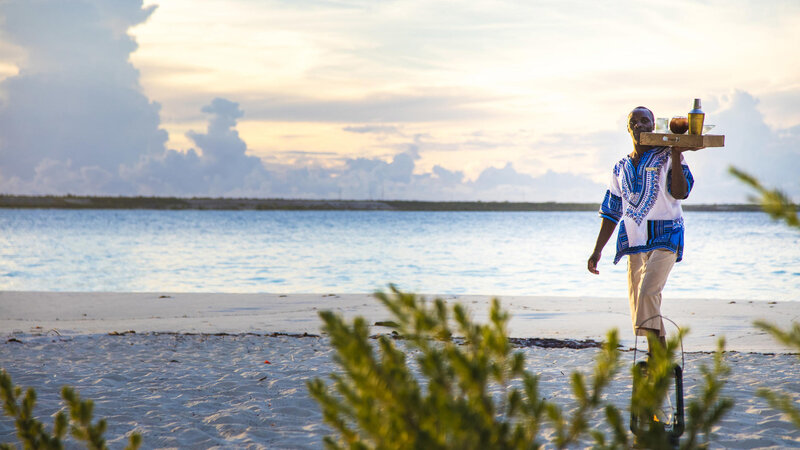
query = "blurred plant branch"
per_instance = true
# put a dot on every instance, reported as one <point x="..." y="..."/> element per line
<point x="781" y="401"/>
<point x="32" y="433"/>
<point x="474" y="392"/>
<point x="778" y="206"/>
<point x="772" y="201"/>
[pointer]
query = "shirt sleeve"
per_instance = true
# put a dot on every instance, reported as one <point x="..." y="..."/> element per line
<point x="611" y="208"/>
<point x="686" y="173"/>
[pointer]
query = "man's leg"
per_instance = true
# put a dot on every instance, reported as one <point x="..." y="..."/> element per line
<point x="635" y="270"/>
<point x="654" y="274"/>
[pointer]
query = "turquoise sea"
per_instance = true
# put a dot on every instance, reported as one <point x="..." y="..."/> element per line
<point x="741" y="256"/>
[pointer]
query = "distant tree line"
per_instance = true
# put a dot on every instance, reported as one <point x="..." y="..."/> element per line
<point x="207" y="203"/>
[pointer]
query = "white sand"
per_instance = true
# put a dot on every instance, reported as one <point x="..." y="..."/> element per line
<point x="552" y="317"/>
<point x="199" y="391"/>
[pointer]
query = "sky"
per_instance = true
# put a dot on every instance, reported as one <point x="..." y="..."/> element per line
<point x="407" y="100"/>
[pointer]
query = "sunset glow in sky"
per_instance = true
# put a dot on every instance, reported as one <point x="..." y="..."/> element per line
<point x="432" y="100"/>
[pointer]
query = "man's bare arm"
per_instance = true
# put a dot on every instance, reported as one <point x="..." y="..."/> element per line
<point x="606" y="230"/>
<point x="680" y="186"/>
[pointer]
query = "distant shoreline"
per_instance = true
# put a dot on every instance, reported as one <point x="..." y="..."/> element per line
<point x="246" y="204"/>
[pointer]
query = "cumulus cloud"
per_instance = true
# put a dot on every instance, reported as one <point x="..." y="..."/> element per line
<point x="75" y="120"/>
<point x="448" y="177"/>
<point x="222" y="168"/>
<point x="492" y="177"/>
<point x="507" y="183"/>
<point x="371" y="178"/>
<point x="76" y="101"/>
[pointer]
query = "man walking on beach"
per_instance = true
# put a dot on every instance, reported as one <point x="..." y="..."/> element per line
<point x="644" y="198"/>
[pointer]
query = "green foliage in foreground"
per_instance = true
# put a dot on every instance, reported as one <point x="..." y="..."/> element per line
<point x="32" y="433"/>
<point x="709" y="407"/>
<point x="474" y="392"/>
<point x="772" y="201"/>
<point x="777" y="205"/>
<point x="779" y="400"/>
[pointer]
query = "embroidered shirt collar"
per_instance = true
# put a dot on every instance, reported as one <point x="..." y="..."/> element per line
<point x="649" y="151"/>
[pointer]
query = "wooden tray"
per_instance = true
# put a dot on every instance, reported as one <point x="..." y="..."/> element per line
<point x="682" y="140"/>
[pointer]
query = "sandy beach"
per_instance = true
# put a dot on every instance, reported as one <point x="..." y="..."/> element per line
<point x="189" y="371"/>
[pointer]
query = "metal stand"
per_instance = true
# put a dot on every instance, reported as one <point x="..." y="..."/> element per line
<point x="675" y="428"/>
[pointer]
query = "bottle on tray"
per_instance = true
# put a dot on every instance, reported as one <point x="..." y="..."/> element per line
<point x="696" y="118"/>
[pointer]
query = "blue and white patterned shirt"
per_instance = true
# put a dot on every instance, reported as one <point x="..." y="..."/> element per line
<point x="639" y="200"/>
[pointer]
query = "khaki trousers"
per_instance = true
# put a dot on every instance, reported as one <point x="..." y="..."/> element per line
<point x="647" y="275"/>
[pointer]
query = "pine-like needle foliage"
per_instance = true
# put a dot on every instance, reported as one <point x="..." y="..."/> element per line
<point x="471" y="392"/>
<point x="772" y="201"/>
<point x="379" y="403"/>
<point x="777" y="205"/>
<point x="652" y="387"/>
<point x="710" y="406"/>
<point x="779" y="400"/>
<point x="32" y="433"/>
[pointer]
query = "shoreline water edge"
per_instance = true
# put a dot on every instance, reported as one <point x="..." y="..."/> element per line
<point x="579" y="318"/>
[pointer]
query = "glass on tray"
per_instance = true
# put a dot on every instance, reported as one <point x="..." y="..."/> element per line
<point x="662" y="125"/>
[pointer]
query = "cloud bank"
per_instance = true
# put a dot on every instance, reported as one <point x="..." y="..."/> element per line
<point x="75" y="112"/>
<point x="75" y="120"/>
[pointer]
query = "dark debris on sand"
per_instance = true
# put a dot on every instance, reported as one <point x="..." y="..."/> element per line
<point x="555" y="343"/>
<point x="524" y="342"/>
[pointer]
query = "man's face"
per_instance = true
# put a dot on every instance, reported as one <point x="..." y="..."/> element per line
<point x="640" y="120"/>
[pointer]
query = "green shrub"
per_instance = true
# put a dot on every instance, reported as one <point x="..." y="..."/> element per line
<point x="779" y="400"/>
<point x="709" y="407"/>
<point x="772" y="201"/>
<point x="473" y="392"/>
<point x="777" y="205"/>
<point x="32" y="433"/>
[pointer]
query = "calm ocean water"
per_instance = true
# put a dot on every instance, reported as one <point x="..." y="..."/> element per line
<point x="728" y="255"/>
